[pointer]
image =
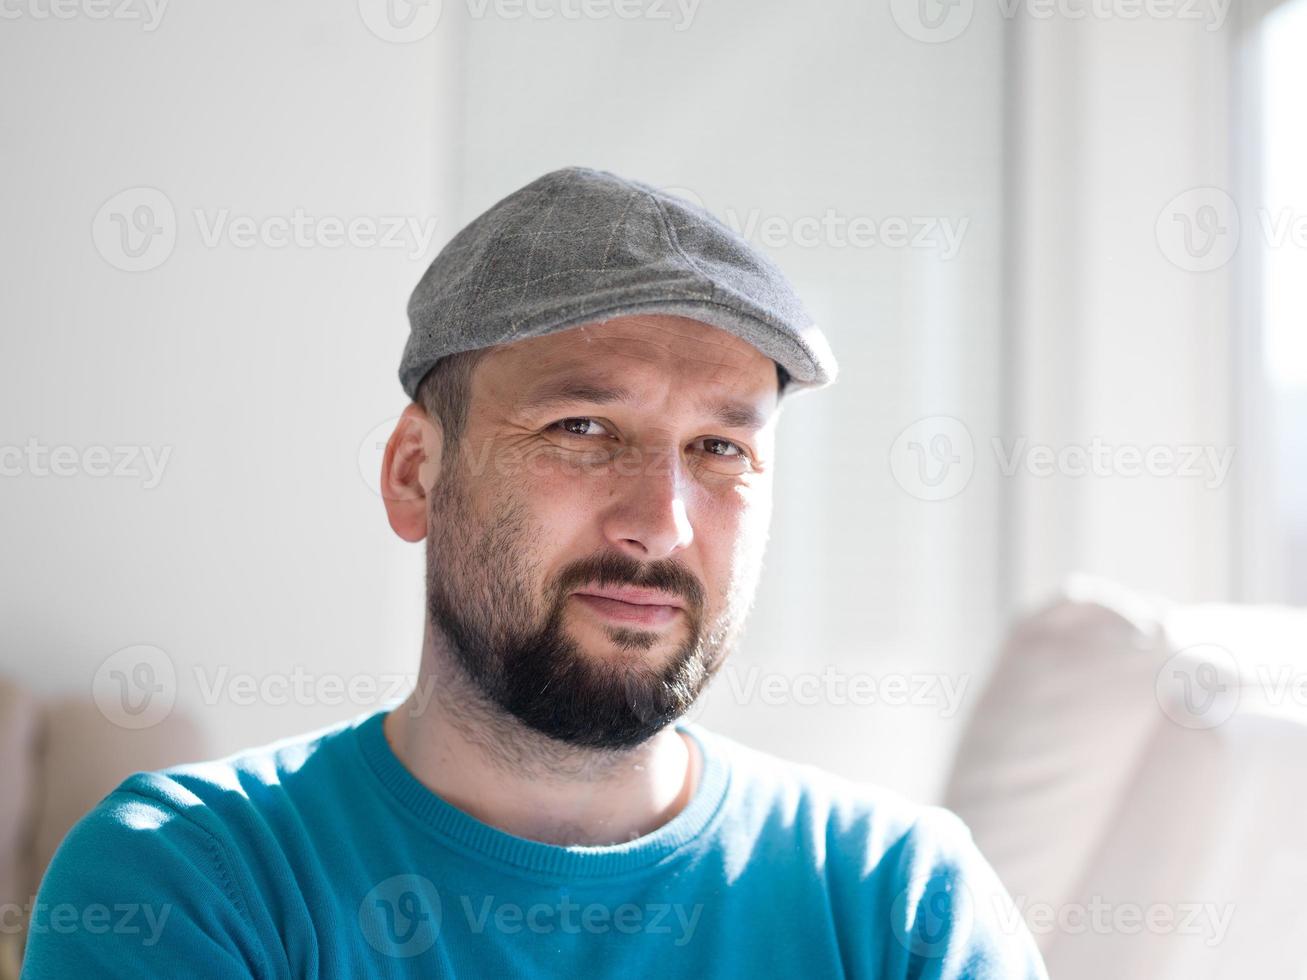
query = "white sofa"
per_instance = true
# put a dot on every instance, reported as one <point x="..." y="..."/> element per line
<point x="1135" y="772"/>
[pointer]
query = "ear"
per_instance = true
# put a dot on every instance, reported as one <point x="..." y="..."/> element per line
<point x="409" y="469"/>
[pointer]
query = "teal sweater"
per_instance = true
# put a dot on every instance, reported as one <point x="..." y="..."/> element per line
<point x="323" y="856"/>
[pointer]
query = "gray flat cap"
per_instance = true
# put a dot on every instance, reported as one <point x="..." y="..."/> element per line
<point x="580" y="246"/>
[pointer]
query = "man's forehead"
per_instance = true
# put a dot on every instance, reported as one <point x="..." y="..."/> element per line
<point x="625" y="361"/>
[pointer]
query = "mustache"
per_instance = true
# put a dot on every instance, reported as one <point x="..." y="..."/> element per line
<point x="612" y="568"/>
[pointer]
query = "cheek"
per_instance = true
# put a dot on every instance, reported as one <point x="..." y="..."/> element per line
<point x="559" y="509"/>
<point x="749" y="534"/>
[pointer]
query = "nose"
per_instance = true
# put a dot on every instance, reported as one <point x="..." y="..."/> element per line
<point x="648" y="517"/>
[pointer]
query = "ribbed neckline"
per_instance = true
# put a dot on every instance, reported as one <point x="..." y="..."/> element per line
<point x="492" y="844"/>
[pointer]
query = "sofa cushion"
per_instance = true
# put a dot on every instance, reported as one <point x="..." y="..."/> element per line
<point x="18" y="734"/>
<point x="1132" y="756"/>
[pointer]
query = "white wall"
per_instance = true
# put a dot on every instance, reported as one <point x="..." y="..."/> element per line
<point x="260" y="368"/>
<point x="1121" y="336"/>
<point x="263" y="369"/>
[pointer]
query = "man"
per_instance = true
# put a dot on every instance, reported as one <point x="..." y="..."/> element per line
<point x="596" y="371"/>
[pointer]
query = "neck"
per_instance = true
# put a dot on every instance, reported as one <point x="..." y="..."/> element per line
<point x="483" y="761"/>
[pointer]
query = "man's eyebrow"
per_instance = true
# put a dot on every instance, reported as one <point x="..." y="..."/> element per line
<point x="573" y="390"/>
<point x="732" y="414"/>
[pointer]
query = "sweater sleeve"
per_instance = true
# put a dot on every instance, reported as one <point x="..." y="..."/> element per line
<point x="952" y="917"/>
<point x="137" y="889"/>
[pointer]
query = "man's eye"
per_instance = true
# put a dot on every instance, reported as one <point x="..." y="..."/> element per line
<point x="580" y="427"/>
<point x="723" y="447"/>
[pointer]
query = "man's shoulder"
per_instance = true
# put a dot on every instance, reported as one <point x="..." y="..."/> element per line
<point x="214" y="797"/>
<point x="173" y="847"/>
<point x="880" y="858"/>
<point x="860" y="835"/>
<point x="803" y="793"/>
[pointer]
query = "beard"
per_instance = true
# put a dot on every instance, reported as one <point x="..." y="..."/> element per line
<point x="507" y="634"/>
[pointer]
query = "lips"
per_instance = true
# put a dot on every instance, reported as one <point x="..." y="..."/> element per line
<point x="637" y="597"/>
<point x="645" y="607"/>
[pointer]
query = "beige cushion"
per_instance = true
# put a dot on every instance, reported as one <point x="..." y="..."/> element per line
<point x="18" y="733"/>
<point x="59" y="759"/>
<point x="84" y="756"/>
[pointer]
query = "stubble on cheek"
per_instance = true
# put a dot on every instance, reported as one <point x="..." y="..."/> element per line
<point x="480" y="538"/>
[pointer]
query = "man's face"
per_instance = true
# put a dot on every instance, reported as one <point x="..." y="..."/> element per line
<point x="631" y="458"/>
